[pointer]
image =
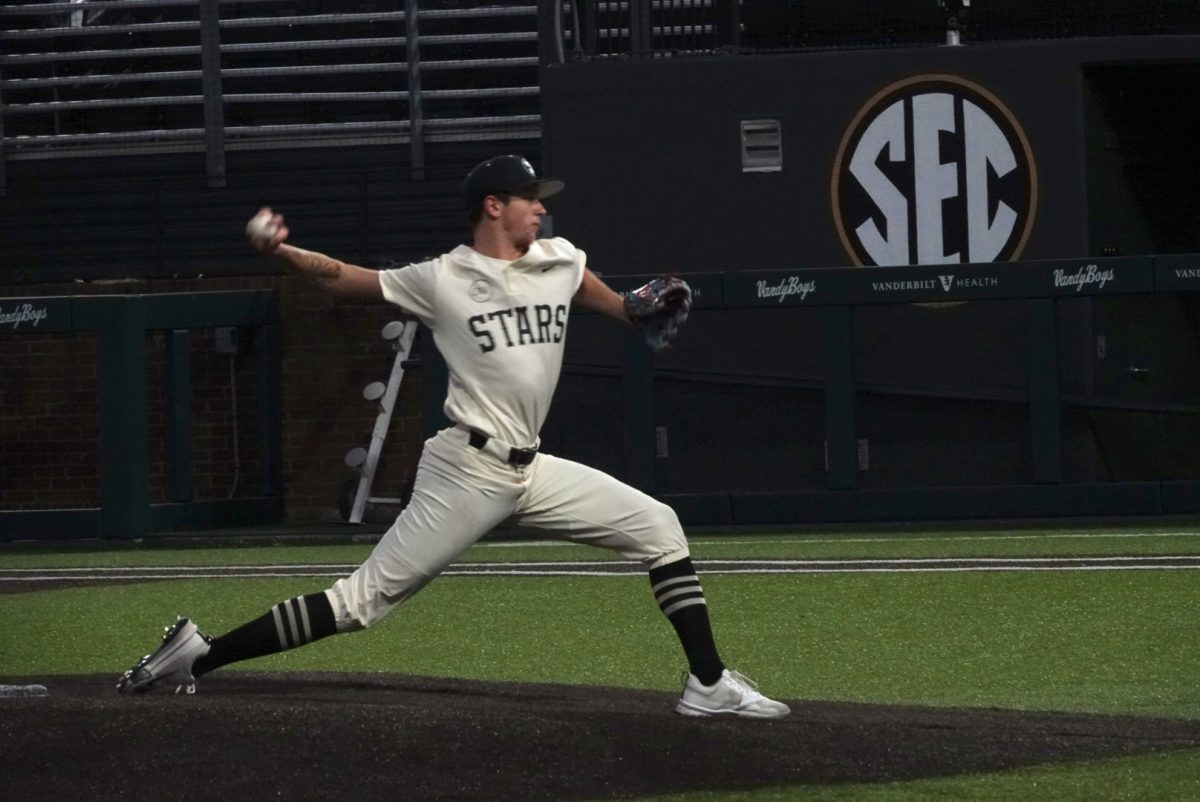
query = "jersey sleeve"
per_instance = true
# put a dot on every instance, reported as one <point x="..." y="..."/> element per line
<point x="566" y="248"/>
<point x="412" y="288"/>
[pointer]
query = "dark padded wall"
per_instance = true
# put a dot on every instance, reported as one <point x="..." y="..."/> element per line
<point x="650" y="151"/>
<point x="154" y="217"/>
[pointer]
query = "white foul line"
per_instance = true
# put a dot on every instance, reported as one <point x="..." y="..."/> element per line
<point x="741" y="540"/>
<point x="699" y="562"/>
<point x="629" y="567"/>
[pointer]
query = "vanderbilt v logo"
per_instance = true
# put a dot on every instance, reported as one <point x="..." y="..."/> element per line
<point x="947" y="282"/>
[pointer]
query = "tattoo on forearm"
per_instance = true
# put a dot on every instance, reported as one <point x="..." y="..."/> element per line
<point x="318" y="266"/>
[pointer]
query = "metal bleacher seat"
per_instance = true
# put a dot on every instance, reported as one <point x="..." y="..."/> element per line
<point x="121" y="76"/>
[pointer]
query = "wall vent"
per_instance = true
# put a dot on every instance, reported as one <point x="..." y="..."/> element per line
<point x="762" y="146"/>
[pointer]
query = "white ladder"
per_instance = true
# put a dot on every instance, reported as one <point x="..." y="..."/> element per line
<point x="401" y="334"/>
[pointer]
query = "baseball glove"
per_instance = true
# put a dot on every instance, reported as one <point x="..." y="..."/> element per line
<point x="658" y="309"/>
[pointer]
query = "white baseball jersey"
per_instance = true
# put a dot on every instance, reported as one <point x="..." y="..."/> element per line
<point x="501" y="327"/>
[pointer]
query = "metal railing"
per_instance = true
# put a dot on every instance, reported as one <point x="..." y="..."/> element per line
<point x="96" y="77"/>
<point x="623" y="29"/>
<point x="642" y="29"/>
<point x="154" y="76"/>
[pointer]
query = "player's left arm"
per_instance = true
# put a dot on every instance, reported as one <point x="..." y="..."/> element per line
<point x="593" y="294"/>
<point x="656" y="309"/>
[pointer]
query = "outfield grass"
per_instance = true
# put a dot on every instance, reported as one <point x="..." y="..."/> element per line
<point x="1086" y="641"/>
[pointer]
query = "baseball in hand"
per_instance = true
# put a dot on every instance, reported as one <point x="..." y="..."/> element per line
<point x="260" y="229"/>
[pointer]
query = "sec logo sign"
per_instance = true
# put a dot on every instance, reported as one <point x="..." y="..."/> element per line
<point x="934" y="169"/>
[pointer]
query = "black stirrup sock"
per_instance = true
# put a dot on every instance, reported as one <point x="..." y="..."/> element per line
<point x="679" y="595"/>
<point x="289" y="624"/>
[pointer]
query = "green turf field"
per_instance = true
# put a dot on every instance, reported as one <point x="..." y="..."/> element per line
<point x="1106" y="641"/>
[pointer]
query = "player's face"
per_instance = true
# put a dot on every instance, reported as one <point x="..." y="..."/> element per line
<point x="521" y="218"/>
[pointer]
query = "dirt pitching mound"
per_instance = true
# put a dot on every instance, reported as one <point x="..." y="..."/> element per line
<point x="251" y="735"/>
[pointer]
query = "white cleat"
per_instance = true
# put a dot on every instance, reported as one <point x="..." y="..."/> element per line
<point x="170" y="665"/>
<point x="732" y="695"/>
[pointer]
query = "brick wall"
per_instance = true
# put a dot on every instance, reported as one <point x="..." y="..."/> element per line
<point x="49" y="404"/>
<point x="332" y="350"/>
<point x="49" y="432"/>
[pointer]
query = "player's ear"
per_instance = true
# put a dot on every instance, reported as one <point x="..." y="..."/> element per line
<point x="493" y="206"/>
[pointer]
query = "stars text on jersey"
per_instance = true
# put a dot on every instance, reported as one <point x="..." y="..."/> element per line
<point x="519" y="325"/>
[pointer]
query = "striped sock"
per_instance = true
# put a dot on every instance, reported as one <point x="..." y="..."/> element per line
<point x="677" y="590"/>
<point x="292" y="624"/>
<point x="289" y="624"/>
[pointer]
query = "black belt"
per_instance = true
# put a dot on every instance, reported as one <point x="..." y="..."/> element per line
<point x="516" y="456"/>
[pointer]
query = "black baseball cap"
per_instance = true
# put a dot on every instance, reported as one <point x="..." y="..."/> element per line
<point x="501" y="174"/>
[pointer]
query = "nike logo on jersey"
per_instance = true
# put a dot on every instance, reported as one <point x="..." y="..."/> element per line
<point x="520" y="325"/>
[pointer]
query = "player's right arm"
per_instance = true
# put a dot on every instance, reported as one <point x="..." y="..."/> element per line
<point x="337" y="277"/>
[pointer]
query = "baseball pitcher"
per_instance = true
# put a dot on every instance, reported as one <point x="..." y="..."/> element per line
<point x="499" y="311"/>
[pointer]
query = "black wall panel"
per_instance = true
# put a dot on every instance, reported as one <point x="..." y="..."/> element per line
<point x="650" y="151"/>
<point x="154" y="216"/>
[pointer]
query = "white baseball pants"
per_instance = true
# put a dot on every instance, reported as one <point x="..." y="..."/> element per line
<point x="461" y="493"/>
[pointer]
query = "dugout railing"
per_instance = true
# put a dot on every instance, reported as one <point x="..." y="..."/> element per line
<point x="120" y="324"/>
<point x="586" y="30"/>
<point x="835" y="294"/>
